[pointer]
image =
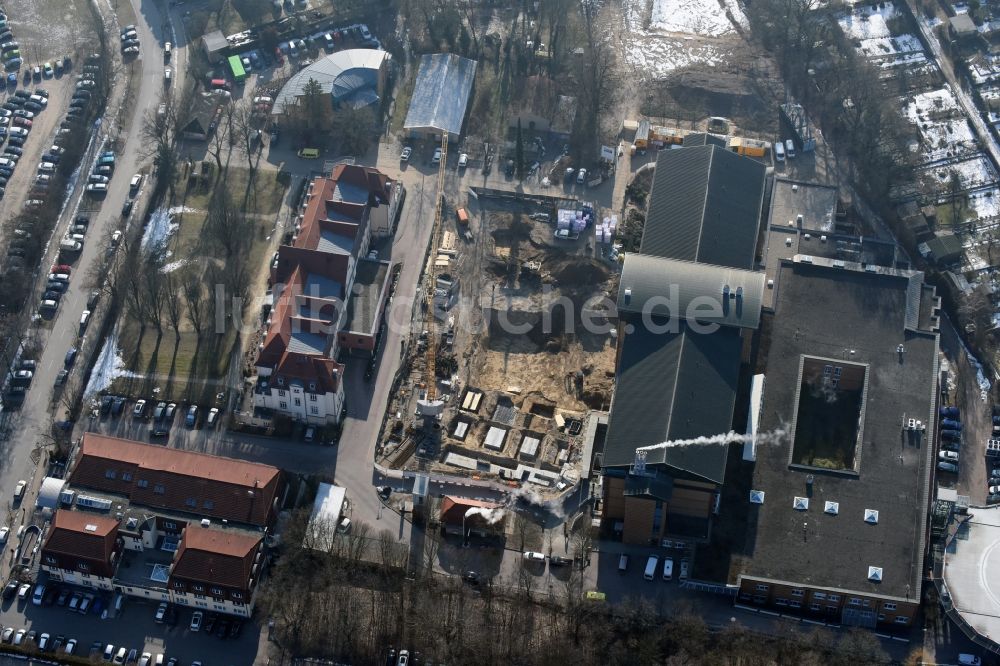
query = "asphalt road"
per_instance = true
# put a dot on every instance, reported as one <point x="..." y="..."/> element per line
<point x="34" y="420"/>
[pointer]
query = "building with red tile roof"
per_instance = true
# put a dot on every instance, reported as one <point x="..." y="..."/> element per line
<point x="214" y="568"/>
<point x="329" y="294"/>
<point x="199" y="484"/>
<point x="82" y="549"/>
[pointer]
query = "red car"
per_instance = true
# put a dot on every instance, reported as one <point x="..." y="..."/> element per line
<point x="22" y="122"/>
<point x="61" y="268"/>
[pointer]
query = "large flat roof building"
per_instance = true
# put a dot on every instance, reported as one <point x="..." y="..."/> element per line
<point x="844" y="449"/>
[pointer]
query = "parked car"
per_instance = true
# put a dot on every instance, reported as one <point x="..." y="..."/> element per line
<point x="161" y="612"/>
<point x="140" y="408"/>
<point x="533" y="556"/>
<point x="192" y="416"/>
<point x="196" y="620"/>
<point x="405" y="155"/>
<point x="948" y="467"/>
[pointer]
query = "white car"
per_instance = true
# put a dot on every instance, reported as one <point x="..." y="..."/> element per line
<point x="19" y="131"/>
<point x="146" y="659"/>
<point x="948" y="456"/>
<point x="47" y="167"/>
<point x="97" y="187"/>
<point x="196" y="621"/>
<point x="405" y="155"/>
<point x="24" y="375"/>
<point x="140" y="407"/>
<point x="38" y="99"/>
<point x="437" y="156"/>
<point x="4" y="533"/>
<point x="135" y="182"/>
<point x="533" y="556"/>
<point x="463" y="161"/>
<point x="581" y="176"/>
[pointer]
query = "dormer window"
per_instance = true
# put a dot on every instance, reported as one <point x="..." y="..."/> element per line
<point x="281" y="381"/>
<point x="312" y="386"/>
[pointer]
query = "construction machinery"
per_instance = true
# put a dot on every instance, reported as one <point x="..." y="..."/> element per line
<point x="428" y="405"/>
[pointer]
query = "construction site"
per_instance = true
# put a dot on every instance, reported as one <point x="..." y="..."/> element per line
<point x="517" y="350"/>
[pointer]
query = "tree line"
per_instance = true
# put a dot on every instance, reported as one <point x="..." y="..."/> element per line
<point x="352" y="597"/>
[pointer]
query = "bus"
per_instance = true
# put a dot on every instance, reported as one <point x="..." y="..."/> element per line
<point x="236" y="67"/>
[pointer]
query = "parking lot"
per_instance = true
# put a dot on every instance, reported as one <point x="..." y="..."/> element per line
<point x="134" y="627"/>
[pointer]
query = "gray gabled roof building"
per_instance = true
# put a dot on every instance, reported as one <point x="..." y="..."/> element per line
<point x="677" y="379"/>
<point x="440" y="96"/>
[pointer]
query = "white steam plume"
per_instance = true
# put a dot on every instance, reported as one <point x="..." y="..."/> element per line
<point x="492" y="516"/>
<point x="776" y="436"/>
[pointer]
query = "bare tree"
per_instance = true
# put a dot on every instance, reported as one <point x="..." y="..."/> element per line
<point x="194" y="299"/>
<point x="172" y="303"/>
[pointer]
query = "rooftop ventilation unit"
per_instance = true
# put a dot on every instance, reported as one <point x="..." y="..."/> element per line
<point x="801" y="503"/>
<point x="90" y="527"/>
<point x="205" y="522"/>
<point x="806" y="259"/>
<point x="795" y="188"/>
<point x="788" y="242"/>
<point x="98" y="503"/>
<point x="807" y="236"/>
<point x="875" y="574"/>
<point x="838" y="263"/>
<point x="871" y="516"/>
<point x="770" y="284"/>
<point x="832" y="508"/>
<point x="756" y="496"/>
<point x="822" y="239"/>
<point x="871" y="268"/>
<point x="627" y="298"/>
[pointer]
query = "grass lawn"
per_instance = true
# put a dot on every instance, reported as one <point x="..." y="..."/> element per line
<point x="404" y="91"/>
<point x="269" y="192"/>
<point x="189" y="369"/>
<point x="944" y="214"/>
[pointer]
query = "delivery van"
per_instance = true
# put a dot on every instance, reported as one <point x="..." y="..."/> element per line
<point x="779" y="151"/>
<point x="651" y="563"/>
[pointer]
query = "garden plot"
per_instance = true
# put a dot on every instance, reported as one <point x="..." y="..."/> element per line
<point x="986" y="203"/>
<point x="694" y="17"/>
<point x="655" y="55"/>
<point x="973" y="173"/>
<point x="868" y="27"/>
<point x="945" y="133"/>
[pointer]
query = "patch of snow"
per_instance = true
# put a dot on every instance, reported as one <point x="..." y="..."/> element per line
<point x="656" y="56"/>
<point x="173" y="266"/>
<point x="986" y="203"/>
<point x="177" y="210"/>
<point x="972" y="173"/>
<point x="158" y="231"/>
<point x="944" y="130"/>
<point x="108" y="367"/>
<point x="695" y="17"/>
<point x="868" y="22"/>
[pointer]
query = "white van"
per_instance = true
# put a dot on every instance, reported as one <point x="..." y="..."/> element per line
<point x="623" y="562"/>
<point x="790" y="148"/>
<point x="651" y="567"/>
<point x="668" y="568"/>
<point x="779" y="152"/>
